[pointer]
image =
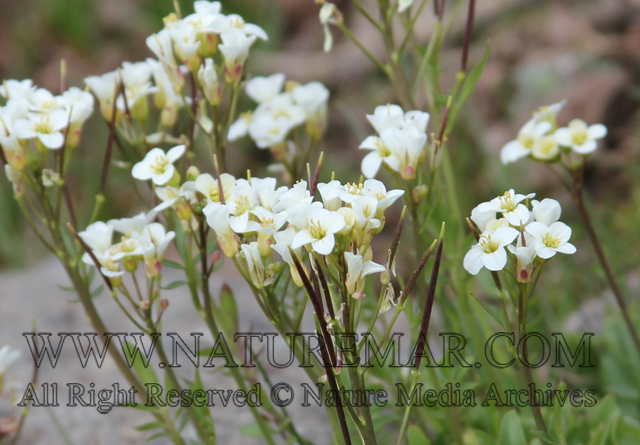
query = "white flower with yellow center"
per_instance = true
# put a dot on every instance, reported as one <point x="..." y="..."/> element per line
<point x="548" y="240"/>
<point x="209" y="187"/>
<point x="490" y="252"/>
<point x="321" y="227"/>
<point x="312" y="98"/>
<point x="521" y="147"/>
<point x="545" y="148"/>
<point x="377" y="189"/>
<point x="153" y="241"/>
<point x="379" y="153"/>
<point x="218" y="219"/>
<point x="105" y="87"/>
<point x="43" y="101"/>
<point x="511" y="207"/>
<point x="549" y="113"/>
<point x="46" y="127"/>
<point x="236" y="22"/>
<point x="157" y="165"/>
<point x="581" y="138"/>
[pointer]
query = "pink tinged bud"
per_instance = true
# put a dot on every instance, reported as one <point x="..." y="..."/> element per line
<point x="164" y="303"/>
<point x="215" y="256"/>
<point x="409" y="172"/>
<point x="323" y="378"/>
<point x="357" y="295"/>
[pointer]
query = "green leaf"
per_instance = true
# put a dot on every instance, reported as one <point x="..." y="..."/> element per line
<point x="174" y="284"/>
<point x="97" y="291"/>
<point x="511" y="432"/>
<point x="253" y="430"/>
<point x="467" y="88"/>
<point x="229" y="309"/>
<point x="149" y="426"/>
<point x="146" y="374"/>
<point x="599" y="436"/>
<point x="66" y="288"/>
<point x="415" y="436"/>
<point x="172" y="264"/>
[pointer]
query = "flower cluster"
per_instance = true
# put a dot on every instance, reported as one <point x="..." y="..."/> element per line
<point x="542" y="140"/>
<point x="185" y="48"/>
<point x="32" y="113"/>
<point x="537" y="233"/>
<point x="141" y="240"/>
<point x="400" y="141"/>
<point x="279" y="112"/>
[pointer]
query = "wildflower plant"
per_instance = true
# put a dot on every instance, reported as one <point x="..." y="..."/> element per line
<point x="303" y="240"/>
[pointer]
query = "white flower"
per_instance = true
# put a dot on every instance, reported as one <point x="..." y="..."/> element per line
<point x="268" y="130"/>
<point x="321" y="227"/>
<point x="510" y="206"/>
<point x="330" y="194"/>
<point x="254" y="262"/>
<point x="403" y="5"/>
<point x="104" y="87"/>
<point x="299" y="193"/>
<point x="406" y="145"/>
<point x="8" y="357"/>
<point x="185" y="39"/>
<point x="235" y="49"/>
<point x="327" y="13"/>
<point x="135" y="224"/>
<point x="240" y="127"/>
<point x="208" y="186"/>
<point x="284" y="238"/>
<point x="550" y="239"/>
<point x="377" y="189"/>
<point x="205" y="7"/>
<point x="524" y="261"/>
<point x="218" y="219"/>
<point x="489" y="252"/>
<point x="417" y="119"/>
<point x="98" y="236"/>
<point x="208" y="79"/>
<point x="521" y="147"/>
<point x="357" y="269"/>
<point x="379" y="153"/>
<point x="312" y="98"/>
<point x="545" y="148"/>
<point x="153" y="242"/>
<point x="46" y="127"/>
<point x="43" y="101"/>
<point x="546" y="211"/>
<point x="263" y="89"/>
<point x="549" y="112"/>
<point x="17" y="89"/>
<point x="386" y="116"/>
<point x="166" y="98"/>
<point x="157" y="165"/>
<point x="80" y="103"/>
<point x="236" y="22"/>
<point x="581" y="138"/>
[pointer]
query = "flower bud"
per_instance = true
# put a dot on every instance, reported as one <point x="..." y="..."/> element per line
<point x="192" y="173"/>
<point x="208" y="79"/>
<point x="164" y="303"/>
<point x="145" y="305"/>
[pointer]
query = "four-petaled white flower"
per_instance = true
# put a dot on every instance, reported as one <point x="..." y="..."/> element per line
<point x="47" y="127"/>
<point x="511" y="207"/>
<point x="490" y="252"/>
<point x="550" y="239"/>
<point x="157" y="165"/>
<point x="521" y="147"/>
<point x="581" y="138"/>
<point x="263" y="89"/>
<point x="321" y="227"/>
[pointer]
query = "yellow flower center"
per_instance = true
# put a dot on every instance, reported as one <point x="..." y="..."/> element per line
<point x="242" y="205"/>
<point x="317" y="231"/>
<point x="550" y="242"/>
<point x="160" y="165"/>
<point x="507" y="202"/>
<point x="487" y="244"/>
<point x="43" y="126"/>
<point x="579" y="137"/>
<point x="547" y="144"/>
<point x="526" y="140"/>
